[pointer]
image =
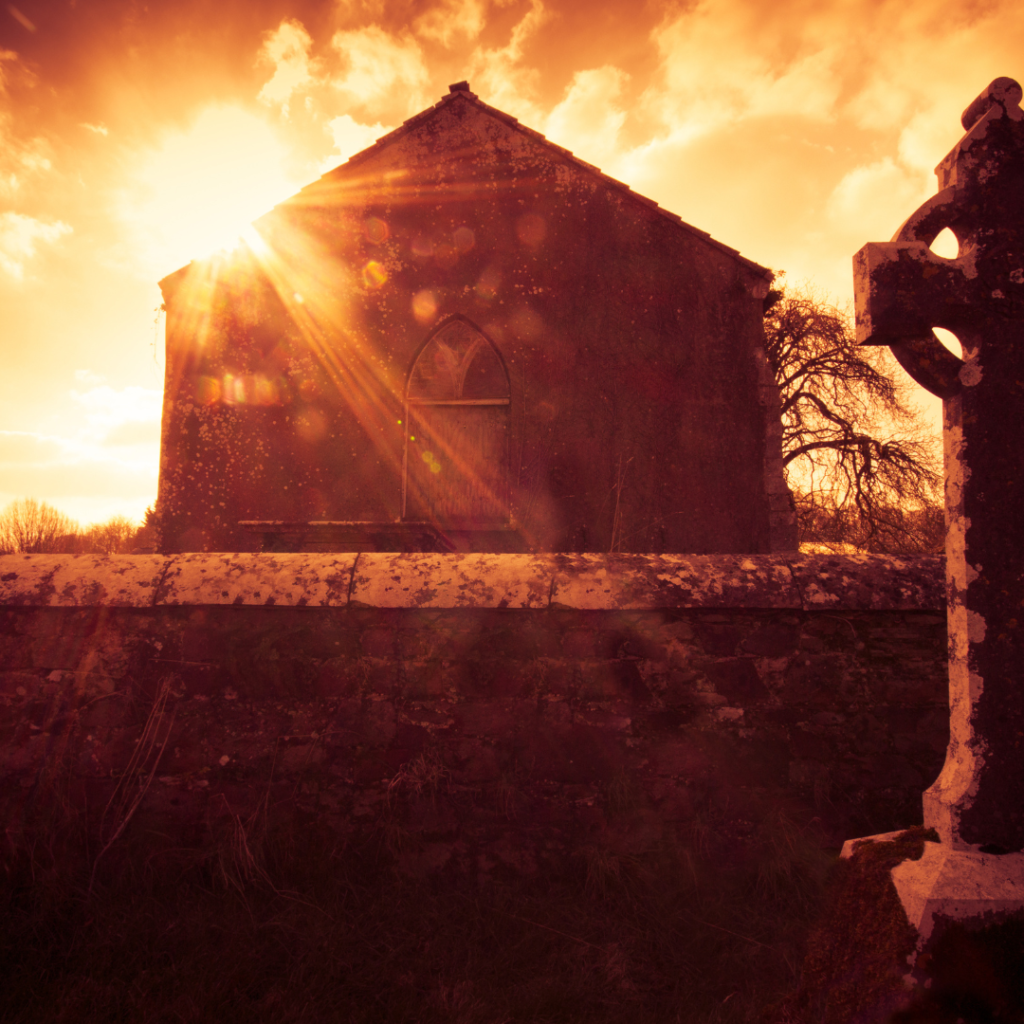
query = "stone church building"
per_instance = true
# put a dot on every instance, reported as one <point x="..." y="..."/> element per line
<point x="465" y="338"/>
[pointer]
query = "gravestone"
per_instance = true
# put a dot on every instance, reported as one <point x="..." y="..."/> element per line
<point x="975" y="873"/>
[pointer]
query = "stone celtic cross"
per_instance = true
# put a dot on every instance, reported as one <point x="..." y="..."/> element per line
<point x="903" y="290"/>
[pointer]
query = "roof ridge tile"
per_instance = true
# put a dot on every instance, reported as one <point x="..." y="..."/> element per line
<point x="470" y="97"/>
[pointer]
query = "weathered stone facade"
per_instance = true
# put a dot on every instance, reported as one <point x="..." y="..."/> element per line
<point x="466" y="326"/>
<point x="547" y="687"/>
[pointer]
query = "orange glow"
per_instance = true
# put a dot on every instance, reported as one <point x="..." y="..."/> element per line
<point x="200" y="189"/>
<point x="317" y="302"/>
<point x="131" y="144"/>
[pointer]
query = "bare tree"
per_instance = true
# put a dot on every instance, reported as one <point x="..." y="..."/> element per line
<point x="862" y="467"/>
<point x="33" y="526"/>
<point x="116" y="536"/>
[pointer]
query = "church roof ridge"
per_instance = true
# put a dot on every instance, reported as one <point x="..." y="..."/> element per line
<point x="461" y="92"/>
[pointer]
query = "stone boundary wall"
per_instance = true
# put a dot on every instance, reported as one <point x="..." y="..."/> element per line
<point x="493" y="707"/>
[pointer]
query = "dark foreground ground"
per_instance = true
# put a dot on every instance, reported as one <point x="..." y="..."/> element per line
<point x="290" y="922"/>
<point x="294" y="924"/>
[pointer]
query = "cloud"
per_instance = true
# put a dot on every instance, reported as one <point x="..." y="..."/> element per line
<point x="287" y="50"/>
<point x="18" y="447"/>
<point x="377" y="65"/>
<point x="46" y="467"/>
<point x="876" y="198"/>
<point x="450" y="20"/>
<point x="21" y="159"/>
<point x="724" y="60"/>
<point x="589" y="119"/>
<point x="350" y="137"/>
<point x="89" y="377"/>
<point x="107" y="408"/>
<point x="105" y="461"/>
<point x="500" y="75"/>
<point x="19" y="237"/>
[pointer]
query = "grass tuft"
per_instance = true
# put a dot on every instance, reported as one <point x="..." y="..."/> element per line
<point x="273" y="916"/>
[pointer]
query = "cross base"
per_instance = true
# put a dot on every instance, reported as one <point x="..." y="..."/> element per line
<point x="948" y="884"/>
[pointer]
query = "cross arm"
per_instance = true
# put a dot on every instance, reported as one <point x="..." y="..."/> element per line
<point x="902" y="290"/>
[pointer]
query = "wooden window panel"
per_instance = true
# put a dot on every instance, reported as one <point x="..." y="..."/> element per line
<point x="458" y="441"/>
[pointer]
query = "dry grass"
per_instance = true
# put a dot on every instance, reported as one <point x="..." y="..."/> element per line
<point x="278" y="920"/>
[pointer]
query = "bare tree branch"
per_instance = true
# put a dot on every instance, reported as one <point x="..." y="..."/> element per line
<point x="863" y="469"/>
<point x="32" y="526"/>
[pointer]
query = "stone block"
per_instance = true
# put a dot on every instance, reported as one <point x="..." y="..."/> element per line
<point x="572" y="754"/>
<point x="559" y="678"/>
<point x="340" y="677"/>
<point x="486" y="718"/>
<point x="676" y="626"/>
<point x="809" y="746"/>
<point x="673" y="801"/>
<point x="100" y="716"/>
<point x="421" y="680"/>
<point x="667" y="581"/>
<point x="606" y="718"/>
<point x="874" y="582"/>
<point x="377" y="724"/>
<point x="476" y="762"/>
<point x="296" y="580"/>
<point x="322" y="639"/>
<point x="604" y="681"/>
<point x="67" y="651"/>
<point x="15" y="652"/>
<point x="736" y="679"/>
<point x="721" y="640"/>
<point x="25" y="685"/>
<point x="772" y="640"/>
<point x="380" y="642"/>
<point x="301" y="756"/>
<point x="513" y="679"/>
<point x="584" y="644"/>
<point x="817" y="678"/>
<point x="452" y="581"/>
<point x="682" y="756"/>
<point x="381" y="676"/>
<point x="418" y="644"/>
<point x="680" y="685"/>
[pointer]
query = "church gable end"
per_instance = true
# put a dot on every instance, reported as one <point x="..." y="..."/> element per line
<point x="467" y="328"/>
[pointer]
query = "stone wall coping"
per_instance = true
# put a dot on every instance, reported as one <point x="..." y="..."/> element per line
<point x="597" y="582"/>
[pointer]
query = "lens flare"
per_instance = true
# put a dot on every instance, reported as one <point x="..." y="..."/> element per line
<point x="374" y="275"/>
<point x="422" y="246"/>
<point x="424" y="306"/>
<point x="376" y="230"/>
<point x="208" y="391"/>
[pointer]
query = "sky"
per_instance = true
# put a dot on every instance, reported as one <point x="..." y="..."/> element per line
<point x="137" y="136"/>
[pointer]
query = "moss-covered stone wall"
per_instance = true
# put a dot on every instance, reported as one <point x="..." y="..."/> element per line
<point x="534" y="693"/>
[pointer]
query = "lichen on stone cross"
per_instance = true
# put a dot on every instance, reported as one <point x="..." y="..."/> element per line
<point x="903" y="290"/>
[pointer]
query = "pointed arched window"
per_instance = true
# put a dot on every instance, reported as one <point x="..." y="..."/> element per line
<point x="457" y="446"/>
